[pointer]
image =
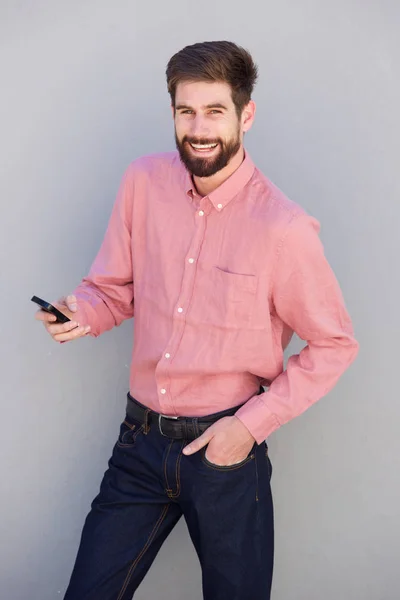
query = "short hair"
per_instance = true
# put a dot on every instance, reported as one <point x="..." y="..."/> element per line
<point x="215" y="61"/>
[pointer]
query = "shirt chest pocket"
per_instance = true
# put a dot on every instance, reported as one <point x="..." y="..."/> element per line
<point x="230" y="300"/>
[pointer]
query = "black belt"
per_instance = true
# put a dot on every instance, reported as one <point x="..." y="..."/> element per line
<point x="176" y="428"/>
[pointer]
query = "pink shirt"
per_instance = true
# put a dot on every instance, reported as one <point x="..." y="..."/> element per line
<point x="217" y="285"/>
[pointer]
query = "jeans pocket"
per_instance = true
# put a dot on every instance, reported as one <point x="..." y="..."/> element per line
<point x="243" y="462"/>
<point x="128" y="432"/>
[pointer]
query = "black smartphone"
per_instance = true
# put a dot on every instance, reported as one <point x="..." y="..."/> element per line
<point x="50" y="309"/>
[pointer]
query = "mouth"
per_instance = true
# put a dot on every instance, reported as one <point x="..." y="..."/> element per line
<point x="203" y="149"/>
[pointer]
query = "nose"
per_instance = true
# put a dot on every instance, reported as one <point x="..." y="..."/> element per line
<point x="199" y="127"/>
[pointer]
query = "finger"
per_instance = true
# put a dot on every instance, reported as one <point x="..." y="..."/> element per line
<point x="71" y="303"/>
<point x="72" y="335"/>
<point x="199" y="442"/>
<point x="55" y="328"/>
<point x="42" y="315"/>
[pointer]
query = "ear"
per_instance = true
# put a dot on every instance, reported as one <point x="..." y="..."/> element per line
<point x="248" y="115"/>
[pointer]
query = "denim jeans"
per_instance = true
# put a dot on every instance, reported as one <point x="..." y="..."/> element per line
<point x="148" y="486"/>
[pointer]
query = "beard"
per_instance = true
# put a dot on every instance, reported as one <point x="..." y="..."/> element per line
<point x="207" y="166"/>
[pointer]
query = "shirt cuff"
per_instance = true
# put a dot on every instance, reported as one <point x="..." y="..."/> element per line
<point x="257" y="417"/>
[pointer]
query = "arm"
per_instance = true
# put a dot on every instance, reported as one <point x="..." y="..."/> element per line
<point x="307" y="297"/>
<point x="105" y="296"/>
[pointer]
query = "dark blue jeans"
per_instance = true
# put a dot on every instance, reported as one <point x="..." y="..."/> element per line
<point x="148" y="486"/>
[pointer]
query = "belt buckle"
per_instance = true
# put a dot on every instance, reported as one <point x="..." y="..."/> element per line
<point x="160" y="416"/>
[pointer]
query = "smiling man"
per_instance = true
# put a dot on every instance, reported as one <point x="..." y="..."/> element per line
<point x="219" y="268"/>
<point x="208" y="135"/>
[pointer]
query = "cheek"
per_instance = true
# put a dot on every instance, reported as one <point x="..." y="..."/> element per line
<point x="226" y="129"/>
<point x="181" y="129"/>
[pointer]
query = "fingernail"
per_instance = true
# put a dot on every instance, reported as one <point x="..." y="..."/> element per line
<point x="74" y="324"/>
<point x="87" y="328"/>
<point x="187" y="450"/>
<point x="73" y="307"/>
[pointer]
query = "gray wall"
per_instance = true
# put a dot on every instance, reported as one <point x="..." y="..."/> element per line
<point x="83" y="94"/>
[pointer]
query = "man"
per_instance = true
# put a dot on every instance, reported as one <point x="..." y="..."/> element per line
<point x="219" y="269"/>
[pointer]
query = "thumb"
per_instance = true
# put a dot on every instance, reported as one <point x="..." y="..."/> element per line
<point x="199" y="442"/>
<point x="71" y="303"/>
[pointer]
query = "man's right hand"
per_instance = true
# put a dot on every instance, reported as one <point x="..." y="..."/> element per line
<point x="63" y="332"/>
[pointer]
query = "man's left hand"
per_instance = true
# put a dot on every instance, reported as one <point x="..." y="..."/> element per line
<point x="229" y="442"/>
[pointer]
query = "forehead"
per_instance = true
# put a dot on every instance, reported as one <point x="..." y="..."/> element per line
<point x="203" y="93"/>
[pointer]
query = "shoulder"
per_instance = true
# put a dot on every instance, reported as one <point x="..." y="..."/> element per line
<point x="279" y="212"/>
<point x="155" y="165"/>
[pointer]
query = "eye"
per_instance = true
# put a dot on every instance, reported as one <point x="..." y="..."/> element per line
<point x="215" y="111"/>
<point x="187" y="112"/>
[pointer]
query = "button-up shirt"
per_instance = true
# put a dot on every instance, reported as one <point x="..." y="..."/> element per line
<point x="217" y="285"/>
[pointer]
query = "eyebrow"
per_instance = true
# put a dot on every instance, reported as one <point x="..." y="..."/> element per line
<point x="212" y="105"/>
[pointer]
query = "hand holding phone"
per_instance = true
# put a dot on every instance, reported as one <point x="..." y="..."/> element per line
<point x="50" y="308"/>
<point x="58" y="318"/>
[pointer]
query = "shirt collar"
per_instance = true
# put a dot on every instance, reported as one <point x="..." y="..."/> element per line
<point x="224" y="193"/>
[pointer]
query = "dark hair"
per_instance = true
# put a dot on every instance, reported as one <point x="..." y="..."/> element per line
<point x="215" y="61"/>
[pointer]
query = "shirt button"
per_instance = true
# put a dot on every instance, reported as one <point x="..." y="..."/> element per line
<point x="180" y="309"/>
<point x="201" y="213"/>
<point x="191" y="260"/>
<point x="167" y="355"/>
<point x="163" y="391"/>
<point x="219" y="205"/>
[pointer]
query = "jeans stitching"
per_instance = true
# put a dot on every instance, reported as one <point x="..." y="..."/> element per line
<point x="268" y="463"/>
<point x="165" y="467"/>
<point x="256" y="480"/>
<point x="177" y="474"/>
<point x="227" y="467"/>
<point x="132" y="443"/>
<point x="144" y="549"/>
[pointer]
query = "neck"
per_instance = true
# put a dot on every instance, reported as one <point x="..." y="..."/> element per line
<point x="206" y="185"/>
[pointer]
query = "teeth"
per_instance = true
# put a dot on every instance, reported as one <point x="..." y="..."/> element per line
<point x="203" y="146"/>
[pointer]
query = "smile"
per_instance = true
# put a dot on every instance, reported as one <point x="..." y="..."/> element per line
<point x="206" y="148"/>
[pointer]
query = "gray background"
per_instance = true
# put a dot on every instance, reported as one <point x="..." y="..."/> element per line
<point x="82" y="94"/>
